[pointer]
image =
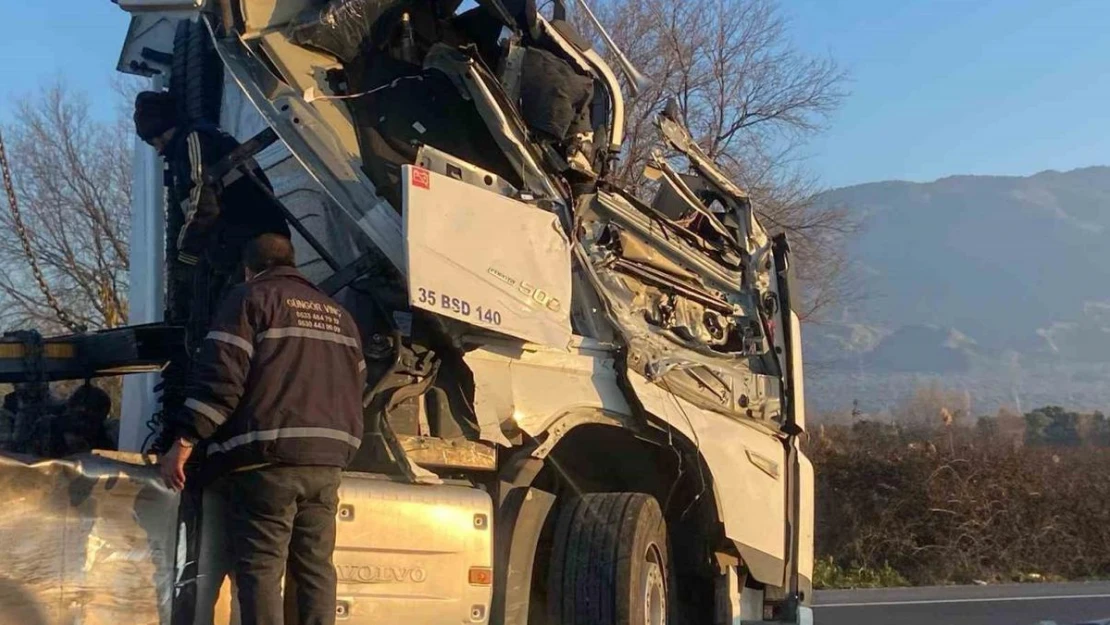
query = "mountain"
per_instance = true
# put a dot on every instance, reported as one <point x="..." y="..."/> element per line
<point x="968" y="277"/>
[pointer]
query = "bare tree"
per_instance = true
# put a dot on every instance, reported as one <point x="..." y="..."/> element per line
<point x="64" y="241"/>
<point x="752" y="100"/>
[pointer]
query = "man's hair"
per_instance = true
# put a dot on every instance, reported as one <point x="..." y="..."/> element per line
<point x="95" y="399"/>
<point x="268" y="251"/>
<point x="155" y="113"/>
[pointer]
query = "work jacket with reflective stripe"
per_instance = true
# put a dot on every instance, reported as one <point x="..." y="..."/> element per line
<point x="279" y="378"/>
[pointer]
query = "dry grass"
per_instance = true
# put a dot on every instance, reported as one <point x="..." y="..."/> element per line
<point x="955" y="506"/>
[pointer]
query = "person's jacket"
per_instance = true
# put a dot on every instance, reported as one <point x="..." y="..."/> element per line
<point x="279" y="378"/>
<point x="222" y="216"/>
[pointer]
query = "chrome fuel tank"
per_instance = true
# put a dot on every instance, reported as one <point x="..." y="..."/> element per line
<point x="413" y="554"/>
<point x="404" y="554"/>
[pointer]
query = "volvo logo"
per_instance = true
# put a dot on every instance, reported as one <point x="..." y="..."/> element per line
<point x="355" y="574"/>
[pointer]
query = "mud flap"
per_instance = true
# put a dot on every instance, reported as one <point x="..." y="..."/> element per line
<point x="525" y="511"/>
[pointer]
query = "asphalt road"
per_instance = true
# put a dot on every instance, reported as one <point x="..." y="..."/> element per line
<point x="1023" y="604"/>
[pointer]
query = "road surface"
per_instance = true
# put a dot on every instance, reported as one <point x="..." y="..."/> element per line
<point x="1024" y="604"/>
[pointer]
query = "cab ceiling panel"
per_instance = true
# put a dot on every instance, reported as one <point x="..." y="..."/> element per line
<point x="261" y="15"/>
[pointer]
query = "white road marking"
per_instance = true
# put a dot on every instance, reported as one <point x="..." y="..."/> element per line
<point x="935" y="601"/>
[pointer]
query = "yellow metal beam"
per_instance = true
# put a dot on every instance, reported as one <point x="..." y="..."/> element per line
<point x="56" y="351"/>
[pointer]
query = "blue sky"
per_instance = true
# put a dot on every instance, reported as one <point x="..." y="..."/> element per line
<point x="946" y="87"/>
<point x="79" y="40"/>
<point x="939" y="87"/>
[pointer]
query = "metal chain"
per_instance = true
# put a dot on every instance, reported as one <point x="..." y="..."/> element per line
<point x="21" y="230"/>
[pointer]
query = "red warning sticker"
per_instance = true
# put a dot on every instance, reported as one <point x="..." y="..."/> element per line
<point x="421" y="178"/>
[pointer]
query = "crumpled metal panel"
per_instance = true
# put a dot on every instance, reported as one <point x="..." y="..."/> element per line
<point x="89" y="540"/>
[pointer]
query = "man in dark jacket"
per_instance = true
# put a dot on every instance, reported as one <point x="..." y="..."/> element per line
<point x="276" y="393"/>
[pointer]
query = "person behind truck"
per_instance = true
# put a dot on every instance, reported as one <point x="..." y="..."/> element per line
<point x="85" y="420"/>
<point x="220" y="216"/>
<point x="7" y="422"/>
<point x="79" y="426"/>
<point x="276" y="395"/>
<point x="26" y="418"/>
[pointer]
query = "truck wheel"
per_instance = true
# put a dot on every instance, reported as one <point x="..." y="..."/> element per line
<point x="179" y="69"/>
<point x="196" y="79"/>
<point x="610" y="563"/>
<point x="203" y="77"/>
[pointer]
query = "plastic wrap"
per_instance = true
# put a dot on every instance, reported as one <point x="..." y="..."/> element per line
<point x="555" y="100"/>
<point x="87" y="540"/>
<point x="341" y="27"/>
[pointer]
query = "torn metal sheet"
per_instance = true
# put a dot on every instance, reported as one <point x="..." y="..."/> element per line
<point x="486" y="260"/>
<point x="689" y="324"/>
<point x="748" y="495"/>
<point x="442" y="453"/>
<point x="88" y="540"/>
<point x="679" y="186"/>
<point x="454" y="167"/>
<point x="530" y="387"/>
<point x="544" y="392"/>
<point x="500" y="115"/>
<point x="753" y="236"/>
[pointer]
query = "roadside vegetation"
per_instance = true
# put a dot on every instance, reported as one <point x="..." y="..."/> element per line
<point x="1008" y="498"/>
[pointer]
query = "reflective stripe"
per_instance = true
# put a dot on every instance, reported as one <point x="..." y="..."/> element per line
<point x="306" y="333"/>
<point x="231" y="339"/>
<point x="196" y="159"/>
<point x="273" y="435"/>
<point x="206" y="410"/>
<point x="197" y="177"/>
<point x="361" y="366"/>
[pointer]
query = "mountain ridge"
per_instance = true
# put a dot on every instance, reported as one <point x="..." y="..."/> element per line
<point x="899" y="181"/>
<point x="970" y="271"/>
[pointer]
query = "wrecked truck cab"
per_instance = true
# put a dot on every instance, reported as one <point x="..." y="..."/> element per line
<point x="688" y="280"/>
<point x="585" y="356"/>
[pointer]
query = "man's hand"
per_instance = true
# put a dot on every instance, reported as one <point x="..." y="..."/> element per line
<point x="173" y="464"/>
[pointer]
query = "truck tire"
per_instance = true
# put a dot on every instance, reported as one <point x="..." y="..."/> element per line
<point x="203" y="78"/>
<point x="610" y="563"/>
<point x="196" y="77"/>
<point x="180" y="67"/>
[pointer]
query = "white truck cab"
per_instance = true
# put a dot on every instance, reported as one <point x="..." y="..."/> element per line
<point x="586" y="404"/>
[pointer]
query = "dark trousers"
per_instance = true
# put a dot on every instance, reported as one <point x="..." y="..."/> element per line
<point x="283" y="520"/>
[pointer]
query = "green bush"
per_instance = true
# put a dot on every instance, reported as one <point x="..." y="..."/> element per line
<point x="828" y="574"/>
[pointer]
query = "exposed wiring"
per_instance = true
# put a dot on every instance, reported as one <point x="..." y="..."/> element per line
<point x="312" y="94"/>
<point x="681" y="468"/>
<point x="697" y="447"/>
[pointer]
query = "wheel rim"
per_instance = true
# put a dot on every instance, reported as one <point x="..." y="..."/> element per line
<point x="655" y="589"/>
